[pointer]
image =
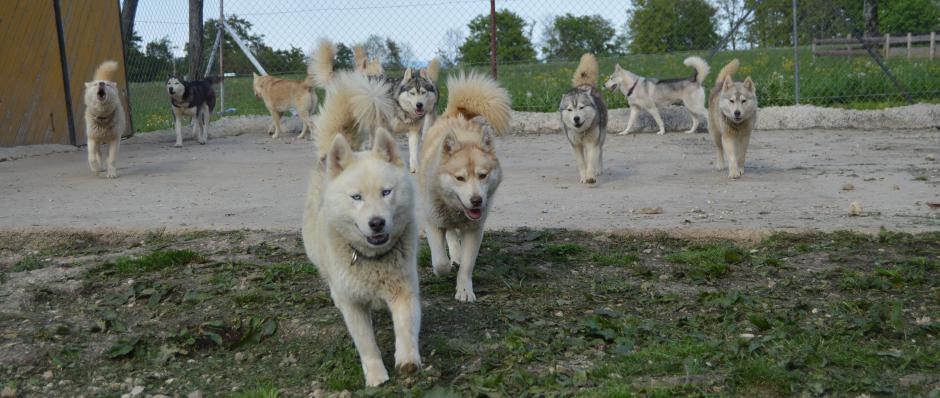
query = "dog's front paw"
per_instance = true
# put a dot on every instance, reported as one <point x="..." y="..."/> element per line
<point x="178" y="145"/>
<point x="661" y="132"/>
<point x="590" y="180"/>
<point x="375" y="375"/>
<point x="112" y="174"/>
<point x="465" y="292"/>
<point x="735" y="173"/>
<point x="624" y="132"/>
<point x="443" y="268"/>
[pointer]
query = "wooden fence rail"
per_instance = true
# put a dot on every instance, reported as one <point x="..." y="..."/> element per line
<point x="850" y="46"/>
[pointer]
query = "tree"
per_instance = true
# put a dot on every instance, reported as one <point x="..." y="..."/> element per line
<point x="194" y="47"/>
<point x="375" y="48"/>
<point x="394" y="55"/>
<point x="512" y="44"/>
<point x="569" y="36"/>
<point x="128" y="14"/>
<point x="772" y="25"/>
<point x="273" y="60"/>
<point x="344" y="57"/>
<point x="729" y="12"/>
<point x="870" y="13"/>
<point x="449" y="50"/>
<point x="911" y="16"/>
<point x="671" y="25"/>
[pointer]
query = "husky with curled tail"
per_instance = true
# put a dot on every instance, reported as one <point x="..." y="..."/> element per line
<point x="459" y="173"/>
<point x="649" y="93"/>
<point x="355" y="105"/>
<point x="414" y="96"/>
<point x="584" y="120"/>
<point x="105" y="120"/>
<point x="732" y="113"/>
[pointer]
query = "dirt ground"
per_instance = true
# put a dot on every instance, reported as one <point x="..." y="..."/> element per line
<point x="794" y="180"/>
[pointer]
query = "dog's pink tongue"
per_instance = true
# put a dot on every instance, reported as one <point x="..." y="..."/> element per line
<point x="475" y="213"/>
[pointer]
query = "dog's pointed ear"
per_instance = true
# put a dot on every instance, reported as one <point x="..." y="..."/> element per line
<point x="424" y="73"/>
<point x="749" y="84"/>
<point x="339" y="157"/>
<point x="407" y="74"/>
<point x="617" y="68"/>
<point x="487" y="141"/>
<point x="386" y="148"/>
<point x="450" y="144"/>
<point x="728" y="84"/>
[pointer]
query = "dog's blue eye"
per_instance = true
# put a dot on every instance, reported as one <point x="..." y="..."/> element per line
<point x="386" y="192"/>
<point x="356" y="197"/>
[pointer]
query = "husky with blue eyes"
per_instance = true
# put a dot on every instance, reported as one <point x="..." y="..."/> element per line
<point x="359" y="229"/>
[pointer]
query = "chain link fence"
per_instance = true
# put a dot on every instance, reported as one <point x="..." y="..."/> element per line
<point x="539" y="42"/>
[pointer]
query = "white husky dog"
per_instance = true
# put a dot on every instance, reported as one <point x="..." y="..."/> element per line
<point x="459" y="173"/>
<point x="359" y="229"/>
<point x="584" y="119"/>
<point x="649" y="93"/>
<point x="104" y="117"/>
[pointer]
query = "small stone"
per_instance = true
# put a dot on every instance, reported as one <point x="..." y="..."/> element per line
<point x="848" y="187"/>
<point x="897" y="187"/>
<point x="344" y="394"/>
<point x="194" y="394"/>
<point x="8" y="392"/>
<point x="47" y="375"/>
<point x="137" y="390"/>
<point x="931" y="157"/>
<point x="239" y="356"/>
<point x="746" y="336"/>
<point x="855" y="209"/>
<point x="647" y="251"/>
<point x="160" y="396"/>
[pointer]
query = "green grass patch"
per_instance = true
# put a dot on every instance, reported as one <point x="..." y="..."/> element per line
<point x="155" y="261"/>
<point x="712" y="261"/>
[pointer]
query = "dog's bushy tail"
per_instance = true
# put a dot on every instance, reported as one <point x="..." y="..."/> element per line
<point x="106" y="71"/>
<point x="434" y="69"/>
<point x="471" y="95"/>
<point x="700" y="66"/>
<point x="322" y="63"/>
<point x="213" y="79"/>
<point x="727" y="72"/>
<point x="311" y="81"/>
<point x="354" y="104"/>
<point x="375" y="68"/>
<point x="360" y="58"/>
<point x="586" y="74"/>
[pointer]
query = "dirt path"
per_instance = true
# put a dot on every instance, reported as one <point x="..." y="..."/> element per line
<point x="794" y="180"/>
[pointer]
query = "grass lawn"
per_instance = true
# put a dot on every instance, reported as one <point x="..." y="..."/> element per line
<point x="561" y="313"/>
<point x="825" y="81"/>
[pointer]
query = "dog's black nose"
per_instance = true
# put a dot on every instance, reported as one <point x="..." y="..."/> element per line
<point x="577" y="119"/>
<point x="737" y="113"/>
<point x="377" y="224"/>
<point x="420" y="106"/>
<point x="476" y="200"/>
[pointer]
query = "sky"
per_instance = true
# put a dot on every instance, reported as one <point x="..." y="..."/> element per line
<point x="422" y="24"/>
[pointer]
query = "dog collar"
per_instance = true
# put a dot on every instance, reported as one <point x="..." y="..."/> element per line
<point x="630" y="91"/>
<point x="356" y="255"/>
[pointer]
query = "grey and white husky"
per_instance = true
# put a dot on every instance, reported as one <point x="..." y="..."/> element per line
<point x="584" y="120"/>
<point x="648" y="93"/>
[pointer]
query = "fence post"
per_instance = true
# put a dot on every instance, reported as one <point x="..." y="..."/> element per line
<point x="493" y="38"/>
<point x="908" y="46"/>
<point x="221" y="57"/>
<point x="814" y="49"/>
<point x="796" y="59"/>
<point x="848" y="47"/>
<point x="887" y="45"/>
<point x="932" y="40"/>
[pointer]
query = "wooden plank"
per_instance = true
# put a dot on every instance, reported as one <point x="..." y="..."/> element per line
<point x="32" y="101"/>
<point x="908" y="45"/>
<point x="92" y="36"/>
<point x="932" y="41"/>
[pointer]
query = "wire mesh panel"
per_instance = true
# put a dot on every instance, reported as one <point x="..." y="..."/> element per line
<point x="540" y="41"/>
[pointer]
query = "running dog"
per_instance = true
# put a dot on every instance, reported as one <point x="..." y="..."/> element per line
<point x="648" y="93"/>
<point x="732" y="113"/>
<point x="584" y="120"/>
<point x="279" y="95"/>
<point x="459" y="174"/>
<point x="359" y="229"/>
<point x="192" y="98"/>
<point x="104" y="117"/>
<point x="415" y="94"/>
